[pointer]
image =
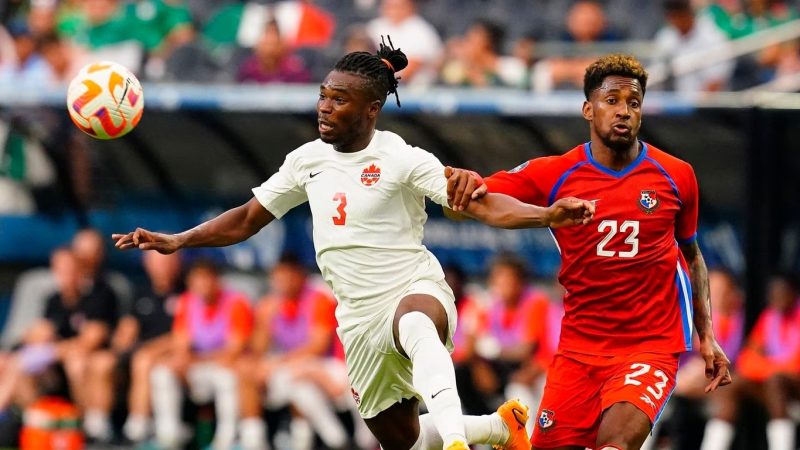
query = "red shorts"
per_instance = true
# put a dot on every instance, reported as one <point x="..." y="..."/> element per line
<point x="580" y="387"/>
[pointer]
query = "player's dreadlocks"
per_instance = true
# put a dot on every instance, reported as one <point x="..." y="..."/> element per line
<point x="377" y="69"/>
<point x="616" y="64"/>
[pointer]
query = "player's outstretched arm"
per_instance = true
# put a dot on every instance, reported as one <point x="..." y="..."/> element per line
<point x="717" y="363"/>
<point x="231" y="227"/>
<point x="463" y="186"/>
<point x="503" y="211"/>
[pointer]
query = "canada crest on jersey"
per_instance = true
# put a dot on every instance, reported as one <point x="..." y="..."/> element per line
<point x="648" y="201"/>
<point x="546" y="419"/>
<point x="371" y="175"/>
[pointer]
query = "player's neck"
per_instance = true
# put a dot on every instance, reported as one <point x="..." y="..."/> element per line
<point x="614" y="159"/>
<point x="357" y="144"/>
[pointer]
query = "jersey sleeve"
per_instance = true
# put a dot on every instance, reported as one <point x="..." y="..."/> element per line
<point x="426" y="175"/>
<point x="180" y="324"/>
<point x="241" y="324"/>
<point x="686" y="220"/>
<point x="281" y="192"/>
<point x="324" y="312"/>
<point x="519" y="183"/>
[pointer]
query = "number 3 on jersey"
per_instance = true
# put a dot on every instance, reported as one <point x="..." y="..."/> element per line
<point x="341" y="219"/>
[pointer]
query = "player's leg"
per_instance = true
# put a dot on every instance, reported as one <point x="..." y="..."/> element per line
<point x="724" y="405"/>
<point x="166" y="398"/>
<point x="780" y="428"/>
<point x="311" y="397"/>
<point x="100" y="398"/>
<point x="226" y="404"/>
<point x="421" y="327"/>
<point x="634" y="394"/>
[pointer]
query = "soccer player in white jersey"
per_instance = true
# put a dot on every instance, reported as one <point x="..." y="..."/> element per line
<point x="366" y="189"/>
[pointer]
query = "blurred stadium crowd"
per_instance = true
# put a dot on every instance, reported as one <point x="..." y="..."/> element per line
<point x="523" y="44"/>
<point x="194" y="355"/>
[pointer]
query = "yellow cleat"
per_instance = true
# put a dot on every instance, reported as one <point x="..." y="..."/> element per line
<point x="458" y="445"/>
<point x="515" y="416"/>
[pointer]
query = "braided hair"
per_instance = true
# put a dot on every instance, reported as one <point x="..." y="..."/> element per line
<point x="378" y="69"/>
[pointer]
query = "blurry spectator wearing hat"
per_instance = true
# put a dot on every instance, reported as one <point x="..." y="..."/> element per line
<point x="686" y="32"/>
<point x="210" y="331"/>
<point x="140" y="339"/>
<point x="477" y="61"/>
<point x="272" y="61"/>
<point x="414" y="35"/>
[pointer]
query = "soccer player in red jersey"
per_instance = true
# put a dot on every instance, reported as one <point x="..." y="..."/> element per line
<point x="636" y="282"/>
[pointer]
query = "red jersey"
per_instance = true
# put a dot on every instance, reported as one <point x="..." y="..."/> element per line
<point x="625" y="276"/>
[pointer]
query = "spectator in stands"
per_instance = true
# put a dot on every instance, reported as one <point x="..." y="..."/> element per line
<point x="293" y="345"/>
<point x="105" y="30"/>
<point x="90" y="249"/>
<point x="728" y="305"/>
<point x="477" y="61"/>
<point x="272" y="62"/>
<point x="140" y="339"/>
<point x="211" y="329"/>
<point x="685" y="33"/>
<point x="418" y="39"/>
<point x="755" y="16"/>
<point x="779" y="64"/>
<point x="76" y="323"/>
<point x="357" y="39"/>
<point x="770" y="362"/>
<point x="30" y="68"/>
<point x="163" y="27"/>
<point x="508" y="340"/>
<point x="62" y="59"/>
<point x="585" y="24"/>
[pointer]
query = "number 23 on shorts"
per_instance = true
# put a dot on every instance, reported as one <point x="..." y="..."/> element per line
<point x="652" y="385"/>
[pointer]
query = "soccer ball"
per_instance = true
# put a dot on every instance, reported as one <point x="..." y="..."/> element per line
<point x="105" y="100"/>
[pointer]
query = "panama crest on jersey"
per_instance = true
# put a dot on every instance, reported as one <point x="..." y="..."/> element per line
<point x="546" y="419"/>
<point x="648" y="201"/>
<point x="371" y="175"/>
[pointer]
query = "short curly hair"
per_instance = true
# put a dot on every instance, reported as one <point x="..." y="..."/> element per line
<point x="616" y="64"/>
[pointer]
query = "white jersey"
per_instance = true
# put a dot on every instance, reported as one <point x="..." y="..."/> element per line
<point x="368" y="211"/>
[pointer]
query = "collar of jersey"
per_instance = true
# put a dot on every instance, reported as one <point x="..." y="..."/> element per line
<point x="587" y="147"/>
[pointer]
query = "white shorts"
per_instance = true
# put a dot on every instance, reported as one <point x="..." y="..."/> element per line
<point x="379" y="374"/>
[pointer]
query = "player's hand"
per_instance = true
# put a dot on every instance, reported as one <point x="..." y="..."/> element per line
<point x="718" y="366"/>
<point x="462" y="187"/>
<point x="570" y="211"/>
<point x="147" y="240"/>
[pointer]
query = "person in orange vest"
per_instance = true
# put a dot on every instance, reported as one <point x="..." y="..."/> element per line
<point x="211" y="329"/>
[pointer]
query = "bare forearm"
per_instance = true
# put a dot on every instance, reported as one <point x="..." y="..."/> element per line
<point x="502" y="211"/>
<point x="701" y="299"/>
<point x="231" y="227"/>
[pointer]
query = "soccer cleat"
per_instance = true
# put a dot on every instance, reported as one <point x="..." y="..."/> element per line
<point x="458" y="445"/>
<point x="515" y="416"/>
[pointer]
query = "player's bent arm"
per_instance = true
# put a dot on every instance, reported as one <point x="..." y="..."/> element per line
<point x="698" y="274"/>
<point x="503" y="211"/>
<point x="231" y="227"/>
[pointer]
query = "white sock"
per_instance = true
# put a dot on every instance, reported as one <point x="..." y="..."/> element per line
<point x="780" y="434"/>
<point x="433" y="374"/>
<point x="166" y="398"/>
<point x="97" y="425"/>
<point x="718" y="435"/>
<point x="314" y="405"/>
<point x="526" y="396"/>
<point x="279" y="385"/>
<point x="488" y="430"/>
<point x="302" y="434"/>
<point x="136" y="427"/>
<point x="226" y="402"/>
<point x="253" y="434"/>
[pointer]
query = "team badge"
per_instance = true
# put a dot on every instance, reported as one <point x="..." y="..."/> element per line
<point x="371" y="175"/>
<point x="648" y="202"/>
<point x="356" y="395"/>
<point x="546" y="419"/>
